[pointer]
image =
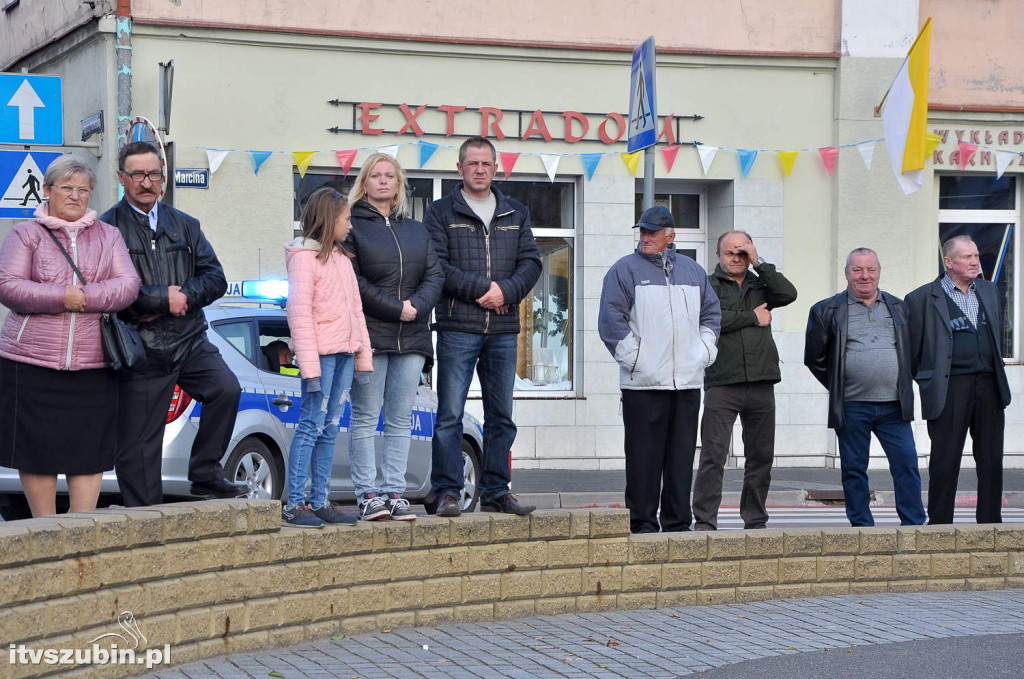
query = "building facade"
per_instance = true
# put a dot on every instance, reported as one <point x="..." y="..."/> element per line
<point x="291" y="96"/>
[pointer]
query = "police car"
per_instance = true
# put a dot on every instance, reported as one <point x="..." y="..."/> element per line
<point x="241" y="328"/>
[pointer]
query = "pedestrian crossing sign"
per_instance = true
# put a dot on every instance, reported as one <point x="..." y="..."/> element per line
<point x="21" y="179"/>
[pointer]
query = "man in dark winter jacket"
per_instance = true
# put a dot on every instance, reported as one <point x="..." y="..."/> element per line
<point x="660" y="320"/>
<point x="180" y="275"/>
<point x="741" y="381"/>
<point x="491" y="262"/>
<point x="857" y="346"/>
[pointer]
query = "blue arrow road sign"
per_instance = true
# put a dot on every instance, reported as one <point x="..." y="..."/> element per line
<point x="31" y="109"/>
<point x="643" y="113"/>
<point x="21" y="180"/>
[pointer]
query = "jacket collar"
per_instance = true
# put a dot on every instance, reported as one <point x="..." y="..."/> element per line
<point x="501" y="205"/>
<point x="750" y="278"/>
<point x="164" y="223"/>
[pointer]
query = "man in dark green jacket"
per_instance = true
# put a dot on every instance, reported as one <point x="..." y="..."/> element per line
<point x="741" y="381"/>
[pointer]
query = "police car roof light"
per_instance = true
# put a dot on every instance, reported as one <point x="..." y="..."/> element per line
<point x="269" y="291"/>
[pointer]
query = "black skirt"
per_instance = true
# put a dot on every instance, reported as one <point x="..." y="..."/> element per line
<point x="57" y="421"/>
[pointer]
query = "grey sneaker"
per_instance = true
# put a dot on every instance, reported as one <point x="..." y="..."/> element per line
<point x="331" y="514"/>
<point x="373" y="508"/>
<point x="399" y="508"/>
<point x="300" y="517"/>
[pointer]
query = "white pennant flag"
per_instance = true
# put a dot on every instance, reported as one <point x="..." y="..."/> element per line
<point x="707" y="156"/>
<point x="389" y="150"/>
<point x="550" y="161"/>
<point x="1003" y="160"/>
<point x="867" y="152"/>
<point x="214" y="159"/>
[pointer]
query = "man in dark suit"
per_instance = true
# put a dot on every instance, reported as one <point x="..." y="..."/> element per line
<point x="956" y="331"/>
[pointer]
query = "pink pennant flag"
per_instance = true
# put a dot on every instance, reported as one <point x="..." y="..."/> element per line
<point x="508" y="161"/>
<point x="345" y="159"/>
<point x="967" y="152"/>
<point x="668" y="154"/>
<point x="829" y="156"/>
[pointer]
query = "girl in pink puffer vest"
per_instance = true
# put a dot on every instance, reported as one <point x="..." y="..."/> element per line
<point x="330" y="341"/>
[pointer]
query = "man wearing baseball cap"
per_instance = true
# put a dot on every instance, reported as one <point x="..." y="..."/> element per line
<point x="660" y="319"/>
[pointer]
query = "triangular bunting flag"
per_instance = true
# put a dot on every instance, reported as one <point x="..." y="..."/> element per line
<point x="967" y="152"/>
<point x="746" y="158"/>
<point x="867" y="152"/>
<point x="707" y="156"/>
<point x="786" y="159"/>
<point x="302" y="160"/>
<point x="1003" y="160"/>
<point x="389" y="151"/>
<point x="214" y="159"/>
<point x="668" y="154"/>
<point x="590" y="163"/>
<point x="258" y="158"/>
<point x="829" y="156"/>
<point x="508" y="161"/>
<point x="550" y="161"/>
<point x="426" y="150"/>
<point x="632" y="161"/>
<point x="931" y="142"/>
<point x="345" y="159"/>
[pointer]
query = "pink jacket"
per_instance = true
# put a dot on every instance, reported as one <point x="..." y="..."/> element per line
<point x="325" y="313"/>
<point x="33" y="276"/>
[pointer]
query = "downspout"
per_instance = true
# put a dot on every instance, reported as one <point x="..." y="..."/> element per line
<point x="123" y="54"/>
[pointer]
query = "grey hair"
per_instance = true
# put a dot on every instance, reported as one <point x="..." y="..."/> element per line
<point x="950" y="245"/>
<point x="65" y="168"/>
<point x="861" y="251"/>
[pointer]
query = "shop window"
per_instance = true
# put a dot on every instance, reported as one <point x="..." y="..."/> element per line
<point x="988" y="210"/>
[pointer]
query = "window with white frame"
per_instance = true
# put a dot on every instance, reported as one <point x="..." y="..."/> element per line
<point x="988" y="210"/>
<point x="687" y="205"/>
<point x="545" y="363"/>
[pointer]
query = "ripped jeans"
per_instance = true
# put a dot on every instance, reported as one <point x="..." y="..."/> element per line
<point x="312" y="450"/>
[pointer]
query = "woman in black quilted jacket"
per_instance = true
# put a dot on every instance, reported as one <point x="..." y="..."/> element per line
<point x="400" y="282"/>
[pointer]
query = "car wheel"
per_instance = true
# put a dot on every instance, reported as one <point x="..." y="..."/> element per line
<point x="470" y="477"/>
<point x="253" y="463"/>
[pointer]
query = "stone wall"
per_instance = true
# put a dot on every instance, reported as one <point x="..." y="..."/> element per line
<point x="217" y="577"/>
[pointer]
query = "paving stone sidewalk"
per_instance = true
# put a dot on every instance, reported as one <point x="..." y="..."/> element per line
<point x="643" y="643"/>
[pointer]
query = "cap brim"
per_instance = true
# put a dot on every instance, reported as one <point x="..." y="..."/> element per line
<point x="649" y="227"/>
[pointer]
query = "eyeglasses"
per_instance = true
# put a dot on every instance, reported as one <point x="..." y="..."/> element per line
<point x="139" y="177"/>
<point x="68" y="190"/>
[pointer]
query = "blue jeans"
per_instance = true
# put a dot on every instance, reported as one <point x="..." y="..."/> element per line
<point x="393" y="384"/>
<point x="494" y="357"/>
<point x="897" y="439"/>
<point x="319" y="417"/>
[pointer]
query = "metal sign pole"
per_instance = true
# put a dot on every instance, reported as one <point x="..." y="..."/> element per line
<point x="649" y="177"/>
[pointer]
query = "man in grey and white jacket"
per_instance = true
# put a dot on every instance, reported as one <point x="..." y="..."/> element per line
<point x="660" y="319"/>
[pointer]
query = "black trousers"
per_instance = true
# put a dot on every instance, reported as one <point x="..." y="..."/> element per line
<point x="972" y="404"/>
<point x="755" y="405"/>
<point x="661" y="440"/>
<point x="142" y="416"/>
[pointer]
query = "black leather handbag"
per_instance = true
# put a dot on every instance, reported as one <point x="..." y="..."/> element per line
<point x="122" y="345"/>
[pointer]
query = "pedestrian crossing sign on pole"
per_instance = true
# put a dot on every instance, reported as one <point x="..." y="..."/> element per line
<point x="643" y="114"/>
<point x="21" y="179"/>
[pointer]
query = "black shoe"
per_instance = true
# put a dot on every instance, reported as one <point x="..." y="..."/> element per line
<point x="449" y="505"/>
<point x="221" y="488"/>
<point x="506" y="504"/>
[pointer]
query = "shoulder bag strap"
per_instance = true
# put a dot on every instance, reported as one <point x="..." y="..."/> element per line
<point x="66" y="255"/>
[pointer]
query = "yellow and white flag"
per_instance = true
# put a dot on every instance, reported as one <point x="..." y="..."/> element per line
<point x="905" y="119"/>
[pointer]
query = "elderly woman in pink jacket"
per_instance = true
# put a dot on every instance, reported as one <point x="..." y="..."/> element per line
<point x="58" y="404"/>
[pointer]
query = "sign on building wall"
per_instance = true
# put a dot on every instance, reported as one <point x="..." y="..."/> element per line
<point x="31" y="109"/>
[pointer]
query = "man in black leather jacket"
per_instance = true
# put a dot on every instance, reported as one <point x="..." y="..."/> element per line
<point x="180" y="275"/>
<point x="491" y="263"/>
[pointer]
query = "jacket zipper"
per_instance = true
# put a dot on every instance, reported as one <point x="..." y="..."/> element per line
<point x="71" y="331"/>
<point x="672" y="315"/>
<point x="487" y="250"/>
<point x="401" y="274"/>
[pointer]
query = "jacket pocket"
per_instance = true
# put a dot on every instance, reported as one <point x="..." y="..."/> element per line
<point x="923" y="375"/>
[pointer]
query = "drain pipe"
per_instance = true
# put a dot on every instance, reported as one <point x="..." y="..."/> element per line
<point x="123" y="53"/>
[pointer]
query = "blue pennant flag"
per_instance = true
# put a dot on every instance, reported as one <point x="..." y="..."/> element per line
<point x="426" y="150"/>
<point x="590" y="161"/>
<point x="746" y="158"/>
<point x="258" y="157"/>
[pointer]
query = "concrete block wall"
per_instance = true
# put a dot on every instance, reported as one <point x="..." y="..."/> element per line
<point x="219" y="577"/>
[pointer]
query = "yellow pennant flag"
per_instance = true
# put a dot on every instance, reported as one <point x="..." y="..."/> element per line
<point x="632" y="161"/>
<point x="931" y="142"/>
<point x="302" y="160"/>
<point x="787" y="158"/>
<point x="905" y="117"/>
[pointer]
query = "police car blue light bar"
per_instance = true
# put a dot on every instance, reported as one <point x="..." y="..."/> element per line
<point x="272" y="290"/>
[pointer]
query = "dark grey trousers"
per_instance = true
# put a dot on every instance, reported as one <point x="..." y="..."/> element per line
<point x="755" y="404"/>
